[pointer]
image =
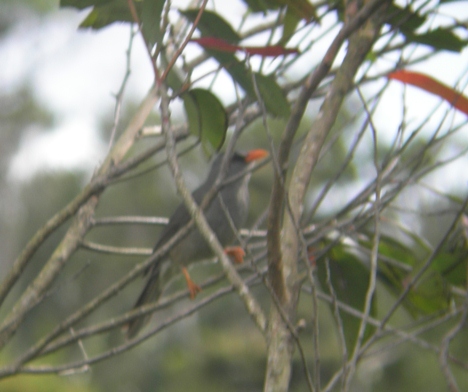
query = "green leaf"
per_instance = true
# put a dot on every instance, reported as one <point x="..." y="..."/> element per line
<point x="213" y="25"/>
<point x="192" y="113"/>
<point x="175" y="78"/>
<point x="404" y="18"/>
<point x="290" y="24"/>
<point x="82" y="4"/>
<point x="452" y="261"/>
<point x="151" y="21"/>
<point x="259" y="5"/>
<point x="272" y="95"/>
<point x="391" y="253"/>
<point x="349" y="279"/>
<point x="206" y="117"/>
<point x="439" y="39"/>
<point x="107" y="13"/>
<point x="430" y="295"/>
<point x="303" y="9"/>
<point x="452" y="266"/>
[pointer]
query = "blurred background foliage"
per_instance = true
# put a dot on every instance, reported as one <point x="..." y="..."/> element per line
<point x="218" y="348"/>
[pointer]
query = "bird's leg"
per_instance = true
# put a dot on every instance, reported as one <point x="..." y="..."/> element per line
<point x="236" y="252"/>
<point x="194" y="289"/>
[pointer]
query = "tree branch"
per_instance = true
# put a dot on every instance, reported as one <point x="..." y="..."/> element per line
<point x="89" y="200"/>
<point x="283" y="260"/>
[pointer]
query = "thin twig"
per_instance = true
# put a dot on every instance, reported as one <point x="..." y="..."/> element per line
<point x="120" y="94"/>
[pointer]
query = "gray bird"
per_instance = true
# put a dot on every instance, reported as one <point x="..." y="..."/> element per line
<point x="227" y="209"/>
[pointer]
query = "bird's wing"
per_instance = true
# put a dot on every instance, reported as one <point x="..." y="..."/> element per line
<point x="178" y="219"/>
<point x="150" y="293"/>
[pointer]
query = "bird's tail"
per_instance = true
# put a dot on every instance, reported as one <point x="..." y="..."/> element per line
<point x="150" y="293"/>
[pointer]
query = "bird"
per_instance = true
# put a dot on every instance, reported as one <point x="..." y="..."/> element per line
<point x="225" y="214"/>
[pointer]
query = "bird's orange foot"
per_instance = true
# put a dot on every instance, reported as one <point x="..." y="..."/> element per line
<point x="194" y="289"/>
<point x="236" y="252"/>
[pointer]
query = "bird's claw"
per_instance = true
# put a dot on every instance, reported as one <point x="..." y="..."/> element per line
<point x="193" y="288"/>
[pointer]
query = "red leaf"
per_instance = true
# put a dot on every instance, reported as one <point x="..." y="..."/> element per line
<point x="216" y="43"/>
<point x="274" y="50"/>
<point x="456" y="99"/>
<point x="224" y="46"/>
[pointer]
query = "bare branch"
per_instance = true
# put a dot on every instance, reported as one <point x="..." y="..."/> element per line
<point x="89" y="199"/>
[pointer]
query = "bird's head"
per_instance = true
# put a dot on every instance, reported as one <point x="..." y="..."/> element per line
<point x="255" y="155"/>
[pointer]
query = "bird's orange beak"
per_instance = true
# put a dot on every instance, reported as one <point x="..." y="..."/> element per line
<point x="254" y="155"/>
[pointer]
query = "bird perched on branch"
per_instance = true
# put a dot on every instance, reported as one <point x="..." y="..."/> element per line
<point x="225" y="214"/>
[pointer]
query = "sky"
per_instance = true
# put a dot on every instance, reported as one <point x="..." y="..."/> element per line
<point x="75" y="74"/>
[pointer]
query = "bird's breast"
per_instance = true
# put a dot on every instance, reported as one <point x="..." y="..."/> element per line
<point x="243" y="197"/>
